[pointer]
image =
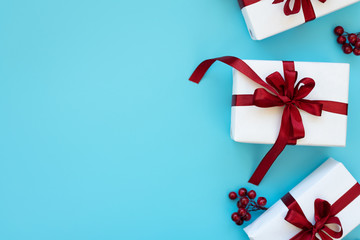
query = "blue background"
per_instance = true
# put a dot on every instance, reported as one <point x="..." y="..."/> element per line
<point x="103" y="137"/>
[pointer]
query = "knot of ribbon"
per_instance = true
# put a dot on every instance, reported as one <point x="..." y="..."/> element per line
<point x="321" y="230"/>
<point x="276" y="91"/>
<point x="327" y="226"/>
<point x="291" y="95"/>
<point x="305" y="5"/>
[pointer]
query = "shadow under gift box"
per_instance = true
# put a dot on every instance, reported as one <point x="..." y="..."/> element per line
<point x="252" y="124"/>
<point x="329" y="182"/>
<point x="265" y="19"/>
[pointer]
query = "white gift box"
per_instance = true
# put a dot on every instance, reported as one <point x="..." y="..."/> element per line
<point x="265" y="19"/>
<point x="329" y="182"/>
<point x="252" y="124"/>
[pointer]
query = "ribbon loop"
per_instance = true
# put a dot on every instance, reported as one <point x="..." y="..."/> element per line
<point x="264" y="99"/>
<point x="276" y="81"/>
<point x="296" y="8"/>
<point x="303" y="88"/>
<point x="290" y="79"/>
<point x="322" y="211"/>
<point x="313" y="108"/>
<point x="298" y="220"/>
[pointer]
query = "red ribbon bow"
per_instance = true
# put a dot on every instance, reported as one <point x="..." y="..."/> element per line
<point x="277" y="91"/>
<point x="323" y="217"/>
<point x="306" y="6"/>
<point x="325" y="214"/>
<point x="289" y="95"/>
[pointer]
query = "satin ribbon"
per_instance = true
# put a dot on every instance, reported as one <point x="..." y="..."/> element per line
<point x="325" y="214"/>
<point x="276" y="91"/>
<point x="245" y="3"/>
<point x="305" y="5"/>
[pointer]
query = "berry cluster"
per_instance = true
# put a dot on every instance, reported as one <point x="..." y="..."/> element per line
<point x="246" y="204"/>
<point x="350" y="41"/>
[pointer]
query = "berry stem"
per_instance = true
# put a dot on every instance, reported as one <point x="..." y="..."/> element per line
<point x="253" y="206"/>
<point x="347" y="33"/>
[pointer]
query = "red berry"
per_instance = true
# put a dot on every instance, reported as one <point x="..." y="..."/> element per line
<point x="261" y="201"/>
<point x="357" y="51"/>
<point x="341" y="39"/>
<point x="242" y="192"/>
<point x="347" y="49"/>
<point x="235" y="217"/>
<point x="240" y="222"/>
<point x="352" y="38"/>
<point x="339" y="30"/>
<point x="239" y="205"/>
<point x="357" y="44"/>
<point x="247" y="217"/>
<point x="252" y="194"/>
<point x="242" y="212"/>
<point x="244" y="201"/>
<point x="232" y="195"/>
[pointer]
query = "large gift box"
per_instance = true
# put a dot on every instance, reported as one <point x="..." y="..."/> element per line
<point x="251" y="124"/>
<point x="265" y="18"/>
<point x="284" y="102"/>
<point x="325" y="205"/>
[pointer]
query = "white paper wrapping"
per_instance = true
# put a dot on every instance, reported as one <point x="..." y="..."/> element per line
<point x="332" y="83"/>
<point x="329" y="182"/>
<point x="265" y="19"/>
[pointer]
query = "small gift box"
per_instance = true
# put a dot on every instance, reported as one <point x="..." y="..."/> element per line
<point x="284" y="103"/>
<point x="324" y="206"/>
<point x="265" y="18"/>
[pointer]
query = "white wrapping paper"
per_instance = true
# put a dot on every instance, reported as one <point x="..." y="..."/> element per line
<point x="329" y="182"/>
<point x="265" y="19"/>
<point x="253" y="124"/>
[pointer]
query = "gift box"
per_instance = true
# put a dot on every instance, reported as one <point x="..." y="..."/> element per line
<point x="285" y="103"/>
<point x="332" y="83"/>
<point x="265" y="18"/>
<point x="325" y="205"/>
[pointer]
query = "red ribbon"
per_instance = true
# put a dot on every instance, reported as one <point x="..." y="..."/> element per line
<point x="305" y="5"/>
<point x="245" y="3"/>
<point x="325" y="214"/>
<point x="276" y="91"/>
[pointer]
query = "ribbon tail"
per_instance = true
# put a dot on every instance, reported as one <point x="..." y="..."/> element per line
<point x="308" y="10"/>
<point x="274" y="152"/>
<point x="324" y="236"/>
<point x="200" y="71"/>
<point x="268" y="160"/>
<point x="233" y="62"/>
